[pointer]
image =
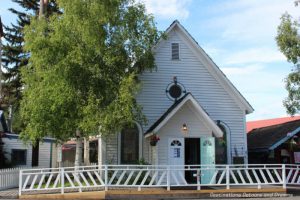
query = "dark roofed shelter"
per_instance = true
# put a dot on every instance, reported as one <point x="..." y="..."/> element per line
<point x="275" y="144"/>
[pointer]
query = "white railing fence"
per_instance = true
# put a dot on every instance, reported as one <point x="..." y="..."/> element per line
<point x="146" y="176"/>
<point x="9" y="177"/>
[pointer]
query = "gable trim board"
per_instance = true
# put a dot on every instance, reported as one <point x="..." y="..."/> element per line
<point x="211" y="67"/>
<point x="16" y="136"/>
<point x="187" y="98"/>
<point x="286" y="138"/>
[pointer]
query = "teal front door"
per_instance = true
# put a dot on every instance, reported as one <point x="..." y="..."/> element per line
<point x="207" y="155"/>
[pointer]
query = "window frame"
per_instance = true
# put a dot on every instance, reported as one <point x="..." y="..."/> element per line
<point x="25" y="156"/>
<point x="172" y="58"/>
<point x="138" y="142"/>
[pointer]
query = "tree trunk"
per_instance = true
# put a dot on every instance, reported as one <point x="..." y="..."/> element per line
<point x="78" y="153"/>
<point x="43" y="8"/>
<point x="86" y="151"/>
<point x="41" y="13"/>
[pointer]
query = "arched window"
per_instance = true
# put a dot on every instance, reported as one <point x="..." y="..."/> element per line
<point x="221" y="147"/>
<point x="129" y="144"/>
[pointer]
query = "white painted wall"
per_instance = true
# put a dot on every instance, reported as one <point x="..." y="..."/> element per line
<point x="196" y="78"/>
<point x="196" y="129"/>
<point x="44" y="151"/>
<point x="192" y="72"/>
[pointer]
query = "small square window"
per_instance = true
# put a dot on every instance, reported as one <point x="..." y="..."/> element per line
<point x="175" y="51"/>
<point x="18" y="156"/>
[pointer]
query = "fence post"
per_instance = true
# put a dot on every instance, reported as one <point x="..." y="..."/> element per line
<point x="168" y="178"/>
<point x="20" y="182"/>
<point x="227" y="177"/>
<point x="62" y="180"/>
<point x="283" y="176"/>
<point x="106" y="178"/>
<point x="198" y="179"/>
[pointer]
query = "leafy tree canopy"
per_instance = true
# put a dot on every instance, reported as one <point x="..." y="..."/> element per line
<point x="83" y="67"/>
<point x="14" y="58"/>
<point x="288" y="41"/>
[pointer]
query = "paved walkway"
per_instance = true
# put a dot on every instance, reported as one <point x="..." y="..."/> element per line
<point x="9" y="193"/>
<point x="294" y="194"/>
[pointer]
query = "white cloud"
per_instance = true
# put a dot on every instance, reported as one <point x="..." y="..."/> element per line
<point x="264" y="89"/>
<point x="254" y="55"/>
<point x="237" y="71"/>
<point x="177" y="9"/>
<point x="251" y="21"/>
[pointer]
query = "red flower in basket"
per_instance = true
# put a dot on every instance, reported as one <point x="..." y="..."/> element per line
<point x="154" y="139"/>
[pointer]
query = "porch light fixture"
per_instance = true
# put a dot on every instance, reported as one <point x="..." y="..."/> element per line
<point x="184" y="129"/>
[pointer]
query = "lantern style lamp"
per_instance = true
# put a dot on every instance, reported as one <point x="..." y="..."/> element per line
<point x="184" y="129"/>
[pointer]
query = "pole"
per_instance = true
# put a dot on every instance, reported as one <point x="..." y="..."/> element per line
<point x="20" y="183"/>
<point x="62" y="177"/>
<point x="283" y="176"/>
<point x="227" y="177"/>
<point x="168" y="178"/>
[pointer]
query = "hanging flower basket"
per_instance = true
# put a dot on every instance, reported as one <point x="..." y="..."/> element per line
<point x="153" y="143"/>
<point x="154" y="139"/>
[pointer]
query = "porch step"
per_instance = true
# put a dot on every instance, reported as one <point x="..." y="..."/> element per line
<point x="163" y="194"/>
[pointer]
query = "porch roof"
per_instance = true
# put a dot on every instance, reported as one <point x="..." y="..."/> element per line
<point x="188" y="97"/>
<point x="270" y="137"/>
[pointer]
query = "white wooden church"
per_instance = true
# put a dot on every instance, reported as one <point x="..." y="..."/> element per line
<point x="195" y="114"/>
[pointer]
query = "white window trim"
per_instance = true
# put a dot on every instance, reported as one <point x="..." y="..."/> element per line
<point x="228" y="141"/>
<point x="171" y="50"/>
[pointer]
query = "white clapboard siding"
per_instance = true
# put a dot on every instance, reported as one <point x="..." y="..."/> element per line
<point x="44" y="154"/>
<point x="12" y="143"/>
<point x="44" y="151"/>
<point x="196" y="126"/>
<point x="111" y="142"/>
<point x="196" y="79"/>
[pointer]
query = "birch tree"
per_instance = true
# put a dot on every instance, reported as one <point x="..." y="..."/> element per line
<point x="83" y="68"/>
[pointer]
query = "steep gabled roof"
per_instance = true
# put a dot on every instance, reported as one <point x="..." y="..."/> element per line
<point x="269" y="138"/>
<point x="212" y="68"/>
<point x="187" y="98"/>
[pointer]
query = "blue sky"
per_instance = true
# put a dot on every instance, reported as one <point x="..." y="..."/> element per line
<point x="239" y="35"/>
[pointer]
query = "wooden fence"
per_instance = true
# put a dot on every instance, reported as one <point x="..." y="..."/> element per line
<point x="9" y="178"/>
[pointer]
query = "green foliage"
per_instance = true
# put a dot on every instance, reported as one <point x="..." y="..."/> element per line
<point x="15" y="58"/>
<point x="288" y="41"/>
<point x="83" y="68"/>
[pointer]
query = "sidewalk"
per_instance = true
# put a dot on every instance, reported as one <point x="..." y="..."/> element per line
<point x="9" y="194"/>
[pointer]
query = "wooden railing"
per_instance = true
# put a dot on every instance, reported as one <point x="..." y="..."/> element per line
<point x="146" y="176"/>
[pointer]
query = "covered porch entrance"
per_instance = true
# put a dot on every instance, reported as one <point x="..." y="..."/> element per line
<point x="193" y="152"/>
